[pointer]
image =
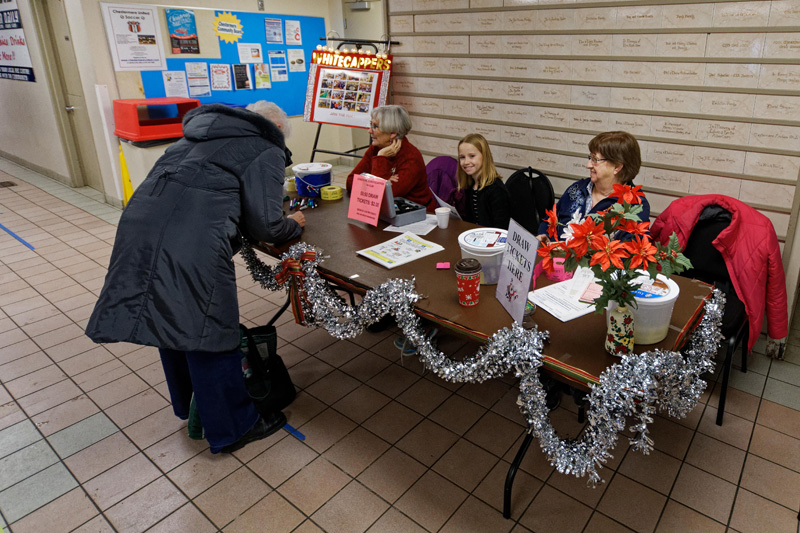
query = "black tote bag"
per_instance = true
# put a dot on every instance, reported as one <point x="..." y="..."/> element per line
<point x="266" y="378"/>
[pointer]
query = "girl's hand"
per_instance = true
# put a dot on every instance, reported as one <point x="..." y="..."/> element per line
<point x="391" y="150"/>
<point x="544" y="239"/>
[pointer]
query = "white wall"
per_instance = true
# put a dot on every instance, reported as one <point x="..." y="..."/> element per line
<point x="29" y="133"/>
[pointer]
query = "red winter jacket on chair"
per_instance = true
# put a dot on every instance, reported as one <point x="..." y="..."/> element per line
<point x="749" y="246"/>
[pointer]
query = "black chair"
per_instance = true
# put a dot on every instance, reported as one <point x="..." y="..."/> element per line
<point x="709" y="266"/>
<point x="531" y="194"/>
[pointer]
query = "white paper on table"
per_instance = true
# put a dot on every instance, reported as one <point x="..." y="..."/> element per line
<point x="556" y="300"/>
<point x="423" y="227"/>
<point x="580" y="280"/>
<point x="452" y="208"/>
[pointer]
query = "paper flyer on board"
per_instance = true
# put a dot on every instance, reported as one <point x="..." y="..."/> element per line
<point x="400" y="250"/>
<point x="134" y="36"/>
<point x="250" y="53"/>
<point x="274" y="29"/>
<point x="182" y="31"/>
<point x="262" y="76"/>
<point x="277" y="65"/>
<point x="241" y="77"/>
<point x="297" y="61"/>
<point x="220" y="77"/>
<point x="293" y="35"/>
<point x="175" y="83"/>
<point x="197" y="77"/>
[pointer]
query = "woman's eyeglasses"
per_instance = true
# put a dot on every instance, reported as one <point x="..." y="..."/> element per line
<point x="595" y="160"/>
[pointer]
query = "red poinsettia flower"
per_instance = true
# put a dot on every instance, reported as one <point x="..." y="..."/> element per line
<point x="642" y="251"/>
<point x="634" y="227"/>
<point x="626" y="193"/>
<point x="609" y="253"/>
<point x="552" y="222"/>
<point x="586" y="234"/>
<point x="546" y="252"/>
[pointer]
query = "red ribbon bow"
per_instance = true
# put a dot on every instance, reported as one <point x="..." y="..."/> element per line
<point x="292" y="271"/>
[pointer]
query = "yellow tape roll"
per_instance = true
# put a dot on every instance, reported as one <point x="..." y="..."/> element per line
<point x="331" y="192"/>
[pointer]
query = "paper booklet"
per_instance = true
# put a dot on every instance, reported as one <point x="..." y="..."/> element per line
<point x="565" y="300"/>
<point x="400" y="250"/>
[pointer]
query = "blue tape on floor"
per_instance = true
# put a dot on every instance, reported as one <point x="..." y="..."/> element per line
<point x="294" y="432"/>
<point x="20" y="239"/>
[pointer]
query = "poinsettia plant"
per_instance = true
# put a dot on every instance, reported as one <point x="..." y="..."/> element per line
<point x="616" y="246"/>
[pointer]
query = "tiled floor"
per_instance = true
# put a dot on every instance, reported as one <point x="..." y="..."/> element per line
<point x="88" y="441"/>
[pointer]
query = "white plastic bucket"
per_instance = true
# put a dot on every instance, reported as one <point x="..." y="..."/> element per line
<point x="655" y="301"/>
<point x="487" y="246"/>
<point x="310" y="178"/>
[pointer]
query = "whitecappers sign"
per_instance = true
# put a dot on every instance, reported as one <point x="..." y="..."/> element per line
<point x="15" y="61"/>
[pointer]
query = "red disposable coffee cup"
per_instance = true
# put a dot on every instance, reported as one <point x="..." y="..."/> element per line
<point x="468" y="278"/>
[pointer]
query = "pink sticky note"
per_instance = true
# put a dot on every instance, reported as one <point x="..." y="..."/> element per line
<point x="442" y="266"/>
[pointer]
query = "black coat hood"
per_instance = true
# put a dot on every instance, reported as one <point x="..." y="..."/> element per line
<point x="216" y="121"/>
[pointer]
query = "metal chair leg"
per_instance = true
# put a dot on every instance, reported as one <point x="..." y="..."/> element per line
<point x="512" y="471"/>
<point x="726" y="371"/>
<point x="745" y="343"/>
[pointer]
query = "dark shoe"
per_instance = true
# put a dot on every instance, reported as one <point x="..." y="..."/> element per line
<point x="263" y="429"/>
<point x="553" y="399"/>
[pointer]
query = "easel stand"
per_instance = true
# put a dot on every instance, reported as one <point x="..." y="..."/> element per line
<point x="349" y="153"/>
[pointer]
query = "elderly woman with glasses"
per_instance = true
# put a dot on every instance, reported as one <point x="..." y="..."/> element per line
<point x="392" y="156"/>
<point x="614" y="158"/>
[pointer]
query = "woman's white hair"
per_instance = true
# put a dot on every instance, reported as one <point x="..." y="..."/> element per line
<point x="392" y="119"/>
<point x="272" y="112"/>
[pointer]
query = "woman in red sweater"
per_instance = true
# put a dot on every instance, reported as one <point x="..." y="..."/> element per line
<point x="392" y="157"/>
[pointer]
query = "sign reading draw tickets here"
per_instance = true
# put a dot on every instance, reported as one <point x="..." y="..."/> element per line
<point x="516" y="270"/>
<point x="344" y="88"/>
<point x="15" y="61"/>
<point x="134" y="36"/>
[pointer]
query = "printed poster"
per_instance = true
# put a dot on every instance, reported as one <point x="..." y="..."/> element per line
<point x="297" y="60"/>
<point x="293" y="35"/>
<point x="274" y="29"/>
<point x="277" y="65"/>
<point x="340" y="91"/>
<point x="220" y="77"/>
<point x="182" y="31"/>
<point x="250" y="53"/>
<point x="262" y="76"/>
<point x="175" y="83"/>
<point x="15" y="61"/>
<point x="197" y="77"/>
<point x="134" y="36"/>
<point x="241" y="77"/>
<point x="516" y="270"/>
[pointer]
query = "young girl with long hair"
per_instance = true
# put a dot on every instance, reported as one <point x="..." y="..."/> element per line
<point x="486" y="199"/>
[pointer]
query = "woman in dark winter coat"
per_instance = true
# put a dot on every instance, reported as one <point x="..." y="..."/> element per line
<point x="171" y="281"/>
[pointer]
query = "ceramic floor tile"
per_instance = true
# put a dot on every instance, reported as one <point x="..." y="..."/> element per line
<point x="60" y="515"/>
<point x="202" y="471"/>
<point x="491" y="489"/>
<point x="273" y="513"/>
<point x="495" y="433"/>
<point x="782" y="393"/>
<point x="392" y="422"/>
<point x="339" y="353"/>
<point x="780" y="418"/>
<point x="82" y="434"/>
<point x="734" y="430"/>
<point x="333" y="387"/>
<point x="716" y="457"/>
<point x="145" y="507"/>
<point x="17" y="437"/>
<point x="64" y="415"/>
<point x="229" y="498"/>
<point x="431" y="501"/>
<point x="281" y="461"/>
<point x="474" y="515"/>
<point x="552" y="510"/>
<point x="361" y="403"/>
<point x="324" y="430"/>
<point x="35" y="491"/>
<point x="457" y="414"/>
<point x="23" y="365"/>
<point x="754" y="514"/>
<point x="356" y="451"/>
<point x="315" y="484"/>
<point x="187" y="518"/>
<point x="155" y="427"/>
<point x="393" y="380"/>
<point x="393" y="521"/>
<point x="600" y="523"/>
<point x="121" y="481"/>
<point x="353" y="509"/>
<point x="427" y="442"/>
<point x="136" y="408"/>
<point x="25" y="462"/>
<point x="100" y="456"/>
<point x="392" y="474"/>
<point x="465" y="464"/>
<point x="679" y="518"/>
<point x="704" y="492"/>
<point x="118" y="390"/>
<point x="308" y="371"/>
<point x="632" y="504"/>
<point x="365" y="366"/>
<point x="776" y="447"/>
<point x="771" y="481"/>
<point x="739" y="403"/>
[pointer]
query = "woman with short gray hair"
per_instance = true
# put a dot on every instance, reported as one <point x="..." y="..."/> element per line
<point x="392" y="156"/>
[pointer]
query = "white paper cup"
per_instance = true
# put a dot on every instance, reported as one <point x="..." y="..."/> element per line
<point x="443" y="216"/>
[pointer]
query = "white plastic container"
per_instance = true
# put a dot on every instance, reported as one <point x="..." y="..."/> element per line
<point x="655" y="301"/>
<point x="310" y="178"/>
<point x="487" y="246"/>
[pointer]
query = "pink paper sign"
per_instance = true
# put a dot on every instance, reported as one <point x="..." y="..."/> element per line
<point x="366" y="197"/>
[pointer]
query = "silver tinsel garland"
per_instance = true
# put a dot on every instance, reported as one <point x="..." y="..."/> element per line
<point x="635" y="387"/>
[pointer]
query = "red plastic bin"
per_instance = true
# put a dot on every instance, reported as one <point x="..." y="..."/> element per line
<point x="133" y="122"/>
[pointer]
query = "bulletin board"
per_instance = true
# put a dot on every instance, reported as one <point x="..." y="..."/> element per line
<point x="344" y="87"/>
<point x="252" y="28"/>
